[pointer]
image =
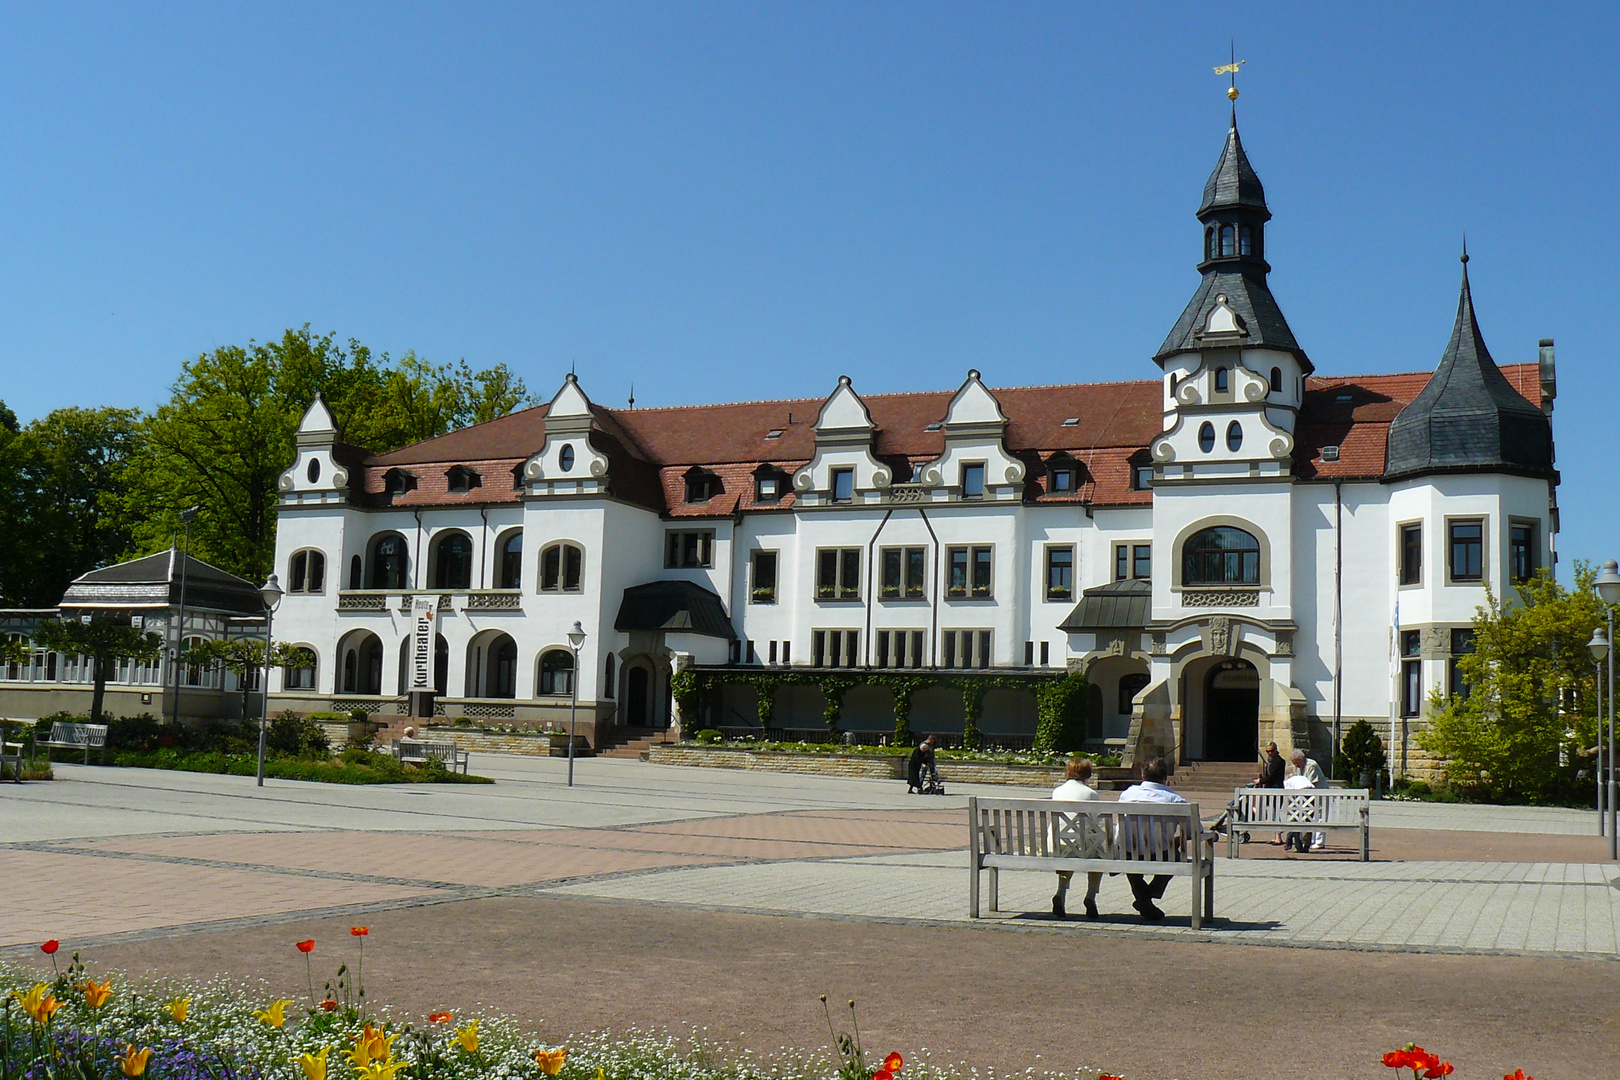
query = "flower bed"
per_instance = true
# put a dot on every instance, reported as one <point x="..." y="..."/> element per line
<point x="881" y="763"/>
<point x="349" y="767"/>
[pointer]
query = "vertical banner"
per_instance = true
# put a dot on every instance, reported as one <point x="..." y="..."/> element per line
<point x="423" y="611"/>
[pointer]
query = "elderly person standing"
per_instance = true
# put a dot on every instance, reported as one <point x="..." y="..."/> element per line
<point x="1307" y="770"/>
<point x="1075" y="789"/>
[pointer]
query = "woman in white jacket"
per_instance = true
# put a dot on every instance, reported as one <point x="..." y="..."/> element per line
<point x="1075" y="789"/>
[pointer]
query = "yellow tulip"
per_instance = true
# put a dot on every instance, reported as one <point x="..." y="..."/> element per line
<point x="39" y="1005"/>
<point x="96" y="994"/>
<point x="600" y="1075"/>
<point x="276" y="1014"/>
<point x="133" y="1062"/>
<point x="551" y="1061"/>
<point x="178" y="1008"/>
<point x="314" y="1067"/>
<point x="468" y="1037"/>
<point x="371" y="1045"/>
<point x="378" y="1070"/>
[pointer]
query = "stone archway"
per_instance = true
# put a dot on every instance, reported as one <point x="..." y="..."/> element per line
<point x="1231" y="691"/>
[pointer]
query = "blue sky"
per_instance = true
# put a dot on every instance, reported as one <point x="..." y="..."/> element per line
<point x="741" y="201"/>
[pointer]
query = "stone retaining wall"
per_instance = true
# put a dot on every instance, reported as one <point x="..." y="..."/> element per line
<point x="488" y="742"/>
<point x="883" y="767"/>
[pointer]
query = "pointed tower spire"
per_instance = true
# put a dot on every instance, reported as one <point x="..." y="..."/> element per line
<point x="1469" y="418"/>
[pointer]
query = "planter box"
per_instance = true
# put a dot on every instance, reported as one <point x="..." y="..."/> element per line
<point x="497" y="742"/>
<point x="871" y="766"/>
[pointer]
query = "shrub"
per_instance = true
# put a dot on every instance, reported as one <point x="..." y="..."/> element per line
<point x="291" y="735"/>
<point x="709" y="735"/>
<point x="1361" y="751"/>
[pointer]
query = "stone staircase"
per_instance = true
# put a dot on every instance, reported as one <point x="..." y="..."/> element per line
<point x="627" y="742"/>
<point x="1214" y="776"/>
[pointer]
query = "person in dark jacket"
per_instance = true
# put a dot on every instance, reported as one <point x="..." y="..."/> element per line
<point x="1271" y="769"/>
<point x="920" y="767"/>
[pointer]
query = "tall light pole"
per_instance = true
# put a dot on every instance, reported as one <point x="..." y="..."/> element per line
<point x="271" y="591"/>
<point x="1597" y="668"/>
<point x="1608" y="589"/>
<point x="187" y="516"/>
<point x="576" y="641"/>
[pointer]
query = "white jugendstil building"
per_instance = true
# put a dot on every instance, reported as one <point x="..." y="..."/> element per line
<point x="1238" y="549"/>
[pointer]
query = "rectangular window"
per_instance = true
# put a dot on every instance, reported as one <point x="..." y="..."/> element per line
<point x="1411" y="673"/>
<point x="838" y="574"/>
<point x="787" y="652"/>
<point x="903" y="573"/>
<point x="1122" y="561"/>
<point x="689" y="549"/>
<point x="1060" y="573"/>
<point x="1029" y="654"/>
<point x="1142" y="561"/>
<point x="753" y="657"/>
<point x="1046" y="653"/>
<point x="970" y="571"/>
<point x="1411" y="554"/>
<point x="773" y="651"/>
<point x="1467" y="550"/>
<point x="763" y="588"/>
<point x="1062" y="481"/>
<point x="843" y="485"/>
<point x="965" y="649"/>
<point x="1462" y="644"/>
<point x="835" y="648"/>
<point x="1141" y="477"/>
<point x="1521" y="551"/>
<point x="573" y="559"/>
<point x="899" y="649"/>
<point x="973" y="480"/>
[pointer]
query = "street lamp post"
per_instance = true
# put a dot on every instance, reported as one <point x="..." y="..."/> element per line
<point x="271" y="592"/>
<point x="1608" y="588"/>
<point x="1597" y="668"/>
<point x="576" y="641"/>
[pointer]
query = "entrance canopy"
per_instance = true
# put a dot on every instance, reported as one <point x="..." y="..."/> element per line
<point x="674" y="605"/>
<point x="1117" y="605"/>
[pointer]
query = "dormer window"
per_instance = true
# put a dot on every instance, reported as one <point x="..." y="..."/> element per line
<point x="769" y="484"/>
<point x="1062" y="475"/>
<point x="1223" y="381"/>
<point x="398" y="481"/>
<point x="462" y="479"/>
<point x="843" y="485"/>
<point x="973" y="480"/>
<point x="1141" y="472"/>
<point x="702" y="485"/>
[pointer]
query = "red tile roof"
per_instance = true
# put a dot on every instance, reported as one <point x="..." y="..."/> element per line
<point x="650" y="450"/>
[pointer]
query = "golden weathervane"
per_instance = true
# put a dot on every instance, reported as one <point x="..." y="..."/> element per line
<point x="1231" y="67"/>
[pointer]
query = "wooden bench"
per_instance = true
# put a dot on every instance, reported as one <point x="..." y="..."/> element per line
<point x="69" y="736"/>
<point x="420" y="752"/>
<point x="12" y="752"/>
<point x="1120" y="838"/>
<point x="1298" y="810"/>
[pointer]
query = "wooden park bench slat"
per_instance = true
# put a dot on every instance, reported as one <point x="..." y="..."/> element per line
<point x="1131" y="838"/>
<point x="1299" y="810"/>
<point x="70" y="736"/>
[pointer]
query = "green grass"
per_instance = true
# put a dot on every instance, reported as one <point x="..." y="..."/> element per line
<point x="999" y="757"/>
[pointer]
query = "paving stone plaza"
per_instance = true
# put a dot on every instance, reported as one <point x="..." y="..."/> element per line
<point x="153" y="862"/>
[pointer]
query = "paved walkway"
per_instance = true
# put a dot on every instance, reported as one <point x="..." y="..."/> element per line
<point x="183" y="851"/>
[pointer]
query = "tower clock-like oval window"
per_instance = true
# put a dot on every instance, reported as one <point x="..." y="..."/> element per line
<point x="1234" y="436"/>
<point x="314" y="470"/>
<point x="1206" y="437"/>
<point x="565" y="457"/>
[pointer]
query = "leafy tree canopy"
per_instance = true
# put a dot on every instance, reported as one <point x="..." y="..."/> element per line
<point x="105" y="641"/>
<point x="228" y="431"/>
<point x="1526" y="727"/>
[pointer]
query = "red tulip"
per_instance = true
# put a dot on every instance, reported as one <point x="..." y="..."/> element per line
<point x="1518" y="1074"/>
<point x="329" y="1005"/>
<point x="50" y="947"/>
<point x="439" y="1018"/>
<point x="1437" y="1070"/>
<point x="305" y="946"/>
<point x="883" y="1074"/>
<point x="893" y="1063"/>
<point x="359" y="931"/>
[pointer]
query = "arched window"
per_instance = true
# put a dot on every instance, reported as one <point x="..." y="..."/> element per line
<point x="565" y="457"/>
<point x="1209" y="243"/>
<point x="1276" y="380"/>
<point x="452" y="561"/>
<point x="511" y="560"/>
<point x="608" y="676"/>
<point x="390" y="562"/>
<point x="1223" y="380"/>
<point x="1245" y="241"/>
<point x="357" y="573"/>
<point x="306" y="572"/>
<point x="557" y="672"/>
<point x="1228" y="247"/>
<point x="1220" y="556"/>
<point x="562" y="568"/>
<point x="1234" y="436"/>
<point x="362" y="665"/>
<point x="299" y="671"/>
<point x="1206" y="437"/>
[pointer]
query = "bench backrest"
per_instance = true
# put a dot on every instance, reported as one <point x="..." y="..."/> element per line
<point x="445" y="749"/>
<point x="1156" y="832"/>
<point x="1306" y="806"/>
<point x="78" y="734"/>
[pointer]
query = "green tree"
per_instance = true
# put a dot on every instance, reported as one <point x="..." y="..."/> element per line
<point x="227" y="432"/>
<point x="244" y="658"/>
<point x="60" y="478"/>
<point x="106" y="642"/>
<point x="1530" y="711"/>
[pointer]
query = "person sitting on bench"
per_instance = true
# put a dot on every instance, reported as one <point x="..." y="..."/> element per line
<point x="1075" y="789"/>
<point x="1151" y="789"/>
